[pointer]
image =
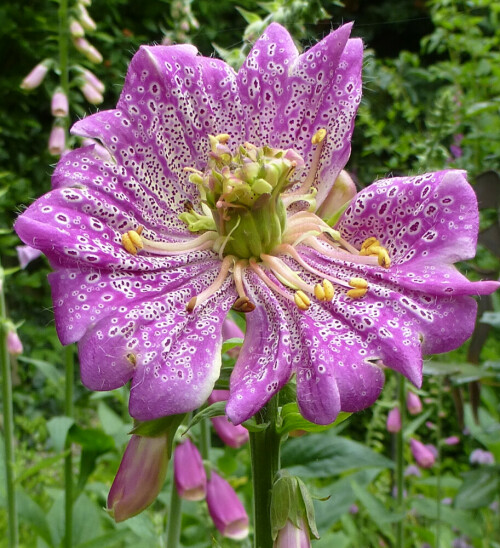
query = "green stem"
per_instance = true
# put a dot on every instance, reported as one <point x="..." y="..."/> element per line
<point x="174" y="518"/>
<point x="68" y="460"/>
<point x="8" y="422"/>
<point x="64" y="48"/>
<point x="400" y="529"/>
<point x="265" y="456"/>
<point x="205" y="440"/>
<point x="439" y="428"/>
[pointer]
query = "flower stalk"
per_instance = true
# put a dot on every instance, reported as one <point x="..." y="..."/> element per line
<point x="8" y="422"/>
<point x="400" y="464"/>
<point x="265" y="458"/>
<point x="174" y="518"/>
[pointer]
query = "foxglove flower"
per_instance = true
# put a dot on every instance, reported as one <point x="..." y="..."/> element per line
<point x="422" y="454"/>
<point x="139" y="478"/>
<point x="14" y="344"/>
<point x="36" y="76"/>
<point x="59" y="104"/>
<point x="225" y="508"/>
<point x="189" y="472"/>
<point x="479" y="456"/>
<point x="57" y="143"/>
<point x="26" y="254"/>
<point x="231" y="434"/>
<point x="394" y="420"/>
<point x="293" y="537"/>
<point x="212" y="200"/>
<point x="413" y="403"/>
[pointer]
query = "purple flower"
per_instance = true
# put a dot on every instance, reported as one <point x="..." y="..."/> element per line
<point x="422" y="454"/>
<point x="412" y="470"/>
<point x="139" y="478"/>
<point x="59" y="104"/>
<point x="26" y="254"/>
<point x="394" y="420"/>
<point x="231" y="434"/>
<point x="413" y="403"/>
<point x="293" y="537"/>
<point x="225" y="508"/>
<point x="205" y="206"/>
<point x="57" y="144"/>
<point x="479" y="456"/>
<point x="189" y="472"/>
<point x="36" y="76"/>
<point x="451" y="440"/>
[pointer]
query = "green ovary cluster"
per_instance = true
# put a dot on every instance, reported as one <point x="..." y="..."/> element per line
<point x="241" y="196"/>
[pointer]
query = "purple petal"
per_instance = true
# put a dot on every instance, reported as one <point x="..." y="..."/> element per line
<point x="173" y="355"/>
<point x="265" y="361"/>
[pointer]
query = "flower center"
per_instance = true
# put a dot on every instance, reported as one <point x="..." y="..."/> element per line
<point x="244" y="201"/>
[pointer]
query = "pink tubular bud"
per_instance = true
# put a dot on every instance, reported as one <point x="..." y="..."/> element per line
<point x="479" y="456"/>
<point x="452" y="440"/>
<point x="14" y="344"/>
<point x="413" y="403"/>
<point x="189" y="472"/>
<point x="139" y="478"/>
<point x="26" y="254"/>
<point x="59" y="104"/>
<point x="75" y="29"/>
<point x="83" y="15"/>
<point x="226" y="509"/>
<point x="36" y="76"/>
<point x="91" y="94"/>
<point x="422" y="454"/>
<point x="92" y="79"/>
<point x="85" y="47"/>
<point x="293" y="537"/>
<point x="57" y="141"/>
<point x="343" y="190"/>
<point x="231" y="435"/>
<point x="394" y="420"/>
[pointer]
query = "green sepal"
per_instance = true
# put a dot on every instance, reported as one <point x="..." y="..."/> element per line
<point x="309" y="508"/>
<point x="196" y="222"/>
<point x="334" y="219"/>
<point x="217" y="409"/>
<point x="165" y="426"/>
<point x="291" y="419"/>
<point x="253" y="426"/>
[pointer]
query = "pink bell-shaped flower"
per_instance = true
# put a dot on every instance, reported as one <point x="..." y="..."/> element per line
<point x="14" y="344"/>
<point x="234" y="436"/>
<point x="413" y="403"/>
<point x="422" y="454"/>
<point x="394" y="420"/>
<point x="139" y="478"/>
<point x="189" y="472"/>
<point x="293" y="537"/>
<point x="36" y="76"/>
<point x="226" y="509"/>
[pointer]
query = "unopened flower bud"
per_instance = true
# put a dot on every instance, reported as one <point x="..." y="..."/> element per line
<point x="75" y="29"/>
<point x="36" y="76"/>
<point x="341" y="193"/>
<point x="26" y="254"/>
<point x="139" y="478"/>
<point x="413" y="403"/>
<point x="412" y="470"/>
<point x="85" y="47"/>
<point x="452" y="440"/>
<point x="422" y="454"/>
<point x="189" y="472"/>
<point x="59" y="104"/>
<point x="232" y="435"/>
<point x="226" y="509"/>
<point x="14" y="344"/>
<point x="394" y="420"/>
<point x="92" y="79"/>
<point x="91" y="94"/>
<point x="293" y="537"/>
<point x="83" y="15"/>
<point x="57" y="140"/>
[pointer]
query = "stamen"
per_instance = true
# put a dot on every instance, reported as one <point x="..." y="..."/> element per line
<point x="242" y="303"/>
<point x="215" y="286"/>
<point x="205" y="241"/>
<point x="285" y="274"/>
<point x="131" y="240"/>
<point x="371" y="246"/>
<point x="358" y="283"/>
<point x="325" y="291"/>
<point x="265" y="278"/>
<point x="302" y="300"/>
<point x="336" y="253"/>
<point x="356" y="293"/>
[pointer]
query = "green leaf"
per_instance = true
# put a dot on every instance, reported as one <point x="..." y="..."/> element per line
<point x="108" y="539"/>
<point x="378" y="511"/>
<point x="462" y="520"/>
<point x="58" y="428"/>
<point x="31" y="514"/>
<point x="291" y="419"/>
<point x="478" y="489"/>
<point x="51" y="372"/>
<point x="217" y="409"/>
<point x="231" y="343"/>
<point x="249" y="16"/>
<point x="91" y="439"/>
<point x="324" y="455"/>
<point x="40" y="465"/>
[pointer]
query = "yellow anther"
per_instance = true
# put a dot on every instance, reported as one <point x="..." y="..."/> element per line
<point x="128" y="245"/>
<point x="135" y="238"/>
<point x="324" y="291"/>
<point x="358" y="283"/>
<point x="357" y="293"/>
<point x="223" y="138"/>
<point x="302" y="300"/>
<point x="243" y="304"/>
<point x="383" y="258"/>
<point x="368" y="242"/>
<point x="318" y="136"/>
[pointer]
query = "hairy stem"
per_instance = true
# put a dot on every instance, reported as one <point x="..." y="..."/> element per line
<point x="400" y="530"/>
<point x="265" y="456"/>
